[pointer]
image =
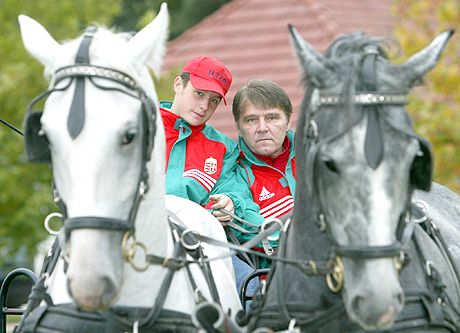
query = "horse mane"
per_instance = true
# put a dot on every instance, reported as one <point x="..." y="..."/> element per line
<point x="353" y="44"/>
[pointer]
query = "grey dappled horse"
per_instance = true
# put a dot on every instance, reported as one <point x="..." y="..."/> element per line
<point x="359" y="162"/>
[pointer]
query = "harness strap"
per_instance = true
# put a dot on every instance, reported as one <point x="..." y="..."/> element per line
<point x="66" y="318"/>
<point x="239" y="219"/>
<point x="309" y="267"/>
<point x="95" y="222"/>
<point x="171" y="263"/>
<point x="370" y="252"/>
<point x="39" y="290"/>
<point x="191" y="245"/>
<point x="7" y="124"/>
<point x="438" y="238"/>
<point x="231" y="236"/>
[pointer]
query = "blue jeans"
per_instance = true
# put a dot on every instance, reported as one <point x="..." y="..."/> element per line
<point x="242" y="269"/>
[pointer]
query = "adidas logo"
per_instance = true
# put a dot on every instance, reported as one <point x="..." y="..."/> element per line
<point x="265" y="194"/>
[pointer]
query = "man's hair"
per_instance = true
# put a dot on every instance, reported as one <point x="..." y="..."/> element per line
<point x="262" y="94"/>
<point x="185" y="77"/>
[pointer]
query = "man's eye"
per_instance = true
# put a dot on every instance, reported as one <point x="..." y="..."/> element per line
<point x="199" y="93"/>
<point x="215" y="100"/>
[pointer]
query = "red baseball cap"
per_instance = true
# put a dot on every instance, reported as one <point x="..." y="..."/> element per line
<point x="207" y="73"/>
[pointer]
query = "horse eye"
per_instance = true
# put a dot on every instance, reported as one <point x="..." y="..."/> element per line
<point x="329" y="163"/>
<point x="128" y="137"/>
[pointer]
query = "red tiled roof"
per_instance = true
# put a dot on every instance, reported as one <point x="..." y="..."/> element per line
<point x="251" y="38"/>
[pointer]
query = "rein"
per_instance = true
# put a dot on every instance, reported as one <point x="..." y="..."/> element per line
<point x="7" y="124"/>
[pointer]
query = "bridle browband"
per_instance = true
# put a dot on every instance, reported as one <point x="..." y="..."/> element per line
<point x="86" y="70"/>
<point x="363" y="98"/>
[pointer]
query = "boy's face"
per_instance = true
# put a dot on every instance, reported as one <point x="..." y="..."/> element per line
<point x="195" y="106"/>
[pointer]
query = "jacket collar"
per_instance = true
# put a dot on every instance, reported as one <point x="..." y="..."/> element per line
<point x="174" y="121"/>
<point x="251" y="157"/>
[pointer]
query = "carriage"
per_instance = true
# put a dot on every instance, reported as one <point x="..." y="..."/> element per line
<point x="163" y="263"/>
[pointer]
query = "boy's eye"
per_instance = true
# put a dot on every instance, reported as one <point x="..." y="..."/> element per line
<point x="215" y="100"/>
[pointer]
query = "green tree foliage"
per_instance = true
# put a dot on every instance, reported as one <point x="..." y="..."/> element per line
<point x="25" y="195"/>
<point x="435" y="106"/>
<point x="186" y="13"/>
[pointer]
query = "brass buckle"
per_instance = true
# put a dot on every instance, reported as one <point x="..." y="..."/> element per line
<point x="129" y="248"/>
<point x="335" y="279"/>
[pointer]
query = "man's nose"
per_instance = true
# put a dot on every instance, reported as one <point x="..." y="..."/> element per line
<point x="262" y="125"/>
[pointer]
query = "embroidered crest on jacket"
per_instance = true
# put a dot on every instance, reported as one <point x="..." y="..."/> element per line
<point x="265" y="194"/>
<point x="210" y="165"/>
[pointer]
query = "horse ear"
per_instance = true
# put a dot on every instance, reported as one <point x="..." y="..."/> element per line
<point x="148" y="46"/>
<point x="318" y="68"/>
<point x="423" y="61"/>
<point x="37" y="41"/>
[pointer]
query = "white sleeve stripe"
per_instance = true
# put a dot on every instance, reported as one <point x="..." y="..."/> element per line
<point x="199" y="174"/>
<point x="278" y="207"/>
<point x="279" y="212"/>
<point x="204" y="175"/>
<point x="202" y="181"/>
<point x="276" y="203"/>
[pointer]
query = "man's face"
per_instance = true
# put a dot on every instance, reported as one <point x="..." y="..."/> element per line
<point x="263" y="130"/>
<point x="195" y="106"/>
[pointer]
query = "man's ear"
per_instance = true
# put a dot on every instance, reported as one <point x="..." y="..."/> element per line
<point x="178" y="84"/>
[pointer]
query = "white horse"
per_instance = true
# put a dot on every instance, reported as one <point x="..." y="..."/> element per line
<point x="101" y="169"/>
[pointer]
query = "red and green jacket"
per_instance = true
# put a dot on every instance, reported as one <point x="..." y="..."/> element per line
<point x="273" y="190"/>
<point x="200" y="161"/>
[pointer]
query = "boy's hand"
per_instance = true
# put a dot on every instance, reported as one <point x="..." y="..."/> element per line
<point x="222" y="201"/>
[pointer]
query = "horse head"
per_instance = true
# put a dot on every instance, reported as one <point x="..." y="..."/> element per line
<point x="106" y="145"/>
<point x="359" y="161"/>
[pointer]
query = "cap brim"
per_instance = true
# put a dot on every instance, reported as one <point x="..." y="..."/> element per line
<point x="204" y="84"/>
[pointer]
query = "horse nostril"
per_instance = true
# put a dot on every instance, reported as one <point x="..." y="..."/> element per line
<point x="400" y="298"/>
<point x="69" y="290"/>
<point x="109" y="293"/>
<point x="356" y="304"/>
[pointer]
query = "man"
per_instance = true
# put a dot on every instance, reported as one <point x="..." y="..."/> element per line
<point x="262" y="112"/>
<point x="201" y="161"/>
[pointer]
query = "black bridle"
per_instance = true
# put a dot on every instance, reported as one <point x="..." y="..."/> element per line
<point x="371" y="100"/>
<point x="81" y="72"/>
